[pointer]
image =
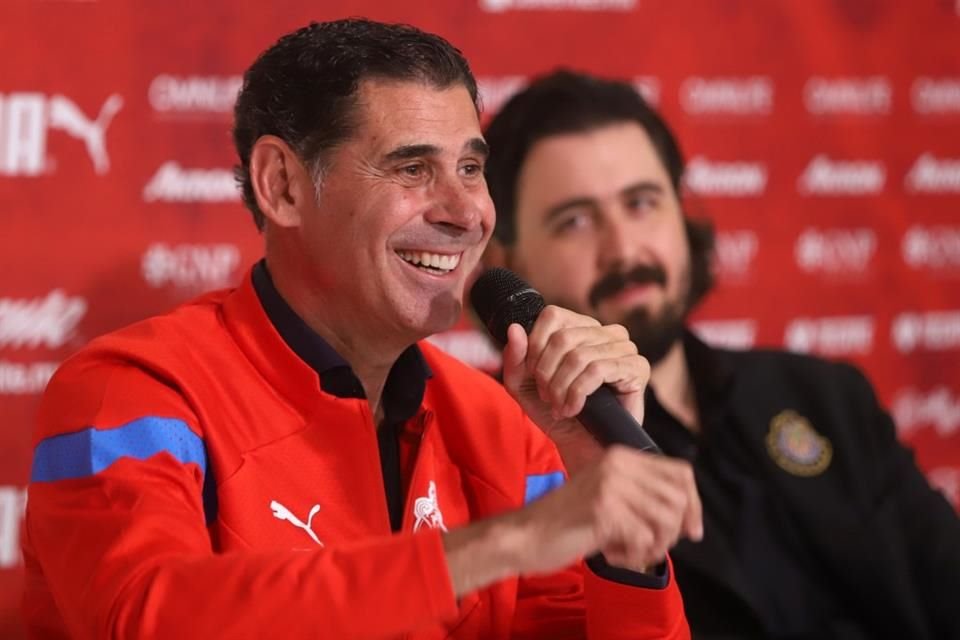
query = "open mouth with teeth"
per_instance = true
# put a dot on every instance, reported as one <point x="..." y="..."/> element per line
<point x="435" y="263"/>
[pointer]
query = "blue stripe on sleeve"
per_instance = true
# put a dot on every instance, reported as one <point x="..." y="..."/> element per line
<point x="538" y="485"/>
<point x="88" y="452"/>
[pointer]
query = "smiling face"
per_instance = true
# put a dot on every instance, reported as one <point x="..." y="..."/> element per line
<point x="403" y="213"/>
<point x="599" y="229"/>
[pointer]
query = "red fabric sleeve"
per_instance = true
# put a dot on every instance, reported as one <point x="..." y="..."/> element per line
<point x="125" y="552"/>
<point x="576" y="603"/>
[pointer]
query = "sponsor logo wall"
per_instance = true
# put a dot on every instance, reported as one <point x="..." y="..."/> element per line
<point x="832" y="174"/>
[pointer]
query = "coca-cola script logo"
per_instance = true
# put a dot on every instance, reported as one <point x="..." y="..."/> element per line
<point x="938" y="409"/>
<point x="49" y="321"/>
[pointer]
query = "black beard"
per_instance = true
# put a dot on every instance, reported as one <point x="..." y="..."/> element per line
<point x="654" y="336"/>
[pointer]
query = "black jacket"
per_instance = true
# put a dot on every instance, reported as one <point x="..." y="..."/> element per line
<point x="879" y="547"/>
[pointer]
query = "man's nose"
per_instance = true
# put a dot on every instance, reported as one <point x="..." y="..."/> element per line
<point x="619" y="244"/>
<point x="457" y="204"/>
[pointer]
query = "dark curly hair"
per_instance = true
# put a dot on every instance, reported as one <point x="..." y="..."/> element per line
<point x="303" y="89"/>
<point x="566" y="102"/>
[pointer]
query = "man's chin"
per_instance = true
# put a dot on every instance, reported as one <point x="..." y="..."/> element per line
<point x="654" y="336"/>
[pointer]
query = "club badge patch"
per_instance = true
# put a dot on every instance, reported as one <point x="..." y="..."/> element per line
<point x="796" y="446"/>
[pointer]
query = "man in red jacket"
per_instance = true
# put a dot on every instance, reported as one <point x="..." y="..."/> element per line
<point x="288" y="458"/>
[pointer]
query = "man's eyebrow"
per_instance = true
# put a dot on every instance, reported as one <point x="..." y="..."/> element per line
<point x="478" y="146"/>
<point x="644" y="186"/>
<point x="410" y="151"/>
<point x="562" y="207"/>
<point x="557" y="210"/>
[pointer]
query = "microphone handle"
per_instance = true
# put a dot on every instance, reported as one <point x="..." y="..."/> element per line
<point x="610" y="423"/>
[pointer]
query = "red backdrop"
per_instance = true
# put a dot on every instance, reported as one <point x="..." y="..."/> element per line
<point x="822" y="138"/>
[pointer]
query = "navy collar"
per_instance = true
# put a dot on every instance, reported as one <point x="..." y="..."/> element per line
<point x="711" y="373"/>
<point x="406" y="382"/>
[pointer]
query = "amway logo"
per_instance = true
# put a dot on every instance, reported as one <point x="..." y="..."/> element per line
<point x="13" y="501"/>
<point x="499" y="6"/>
<point x="48" y="321"/>
<point x="737" y="96"/>
<point x="931" y="247"/>
<point x="932" y="331"/>
<point x="190" y="265"/>
<point x="727" y="334"/>
<point x="935" y="95"/>
<point x="17" y="378"/>
<point x="495" y="91"/>
<point x="860" y="96"/>
<point x="931" y="175"/>
<point x="735" y="251"/>
<point x="835" y="251"/>
<point x="173" y="183"/>
<point x="937" y="408"/>
<point x="840" y="335"/>
<point x="194" y="94"/>
<point x="733" y="179"/>
<point x="26" y="118"/>
<point x="824" y="176"/>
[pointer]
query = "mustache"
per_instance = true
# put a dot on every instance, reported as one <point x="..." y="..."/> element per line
<point x="616" y="281"/>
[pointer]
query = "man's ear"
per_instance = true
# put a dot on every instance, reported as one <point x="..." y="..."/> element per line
<point x="282" y="185"/>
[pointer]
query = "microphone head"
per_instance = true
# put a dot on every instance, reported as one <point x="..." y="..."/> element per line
<point x="500" y="298"/>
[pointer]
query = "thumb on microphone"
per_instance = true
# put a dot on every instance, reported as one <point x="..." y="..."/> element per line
<point x="514" y="355"/>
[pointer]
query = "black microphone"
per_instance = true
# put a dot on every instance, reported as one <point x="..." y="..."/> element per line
<point x="500" y="299"/>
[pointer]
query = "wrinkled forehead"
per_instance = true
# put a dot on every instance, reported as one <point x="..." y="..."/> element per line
<point x="389" y="113"/>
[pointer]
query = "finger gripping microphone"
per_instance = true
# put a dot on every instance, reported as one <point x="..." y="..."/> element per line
<point x="500" y="299"/>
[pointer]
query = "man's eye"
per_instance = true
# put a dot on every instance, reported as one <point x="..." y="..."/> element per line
<point x="412" y="170"/>
<point x="573" y="223"/>
<point x="641" y="203"/>
<point x="472" y="170"/>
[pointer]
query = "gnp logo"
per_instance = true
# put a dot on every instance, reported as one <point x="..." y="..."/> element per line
<point x="499" y="6"/>
<point x="50" y="321"/>
<point x="735" y="251"/>
<point x="934" y="175"/>
<point x="824" y="176"/>
<point x="835" y="251"/>
<point x="938" y="409"/>
<point x="726" y="179"/>
<point x="931" y="331"/>
<point x="931" y="247"/>
<point x="26" y="119"/>
<point x="727" y="334"/>
<point x="935" y="95"/>
<point x="736" y="96"/>
<point x="840" y="335"/>
<point x="859" y="96"/>
<point x="195" y="266"/>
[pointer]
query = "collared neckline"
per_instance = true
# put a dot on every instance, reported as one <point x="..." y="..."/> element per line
<point x="405" y="385"/>
<point x="712" y="377"/>
<point x="710" y="374"/>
